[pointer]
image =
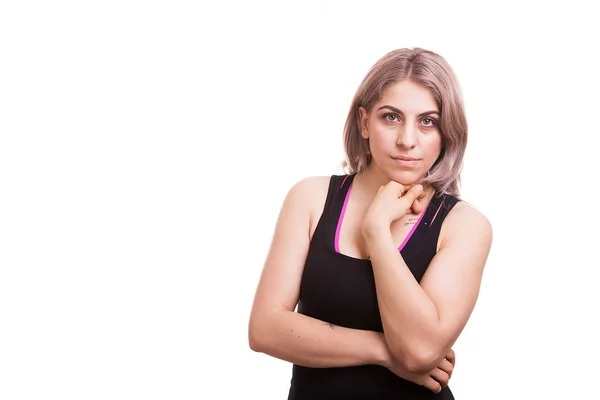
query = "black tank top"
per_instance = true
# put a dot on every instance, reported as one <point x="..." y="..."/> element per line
<point x="340" y="289"/>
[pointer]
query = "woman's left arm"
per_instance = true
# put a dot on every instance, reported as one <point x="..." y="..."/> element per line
<point x="422" y="321"/>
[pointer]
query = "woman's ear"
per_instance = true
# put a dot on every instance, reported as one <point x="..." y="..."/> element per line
<point x="364" y="122"/>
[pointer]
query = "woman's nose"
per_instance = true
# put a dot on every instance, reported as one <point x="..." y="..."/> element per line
<point x="407" y="136"/>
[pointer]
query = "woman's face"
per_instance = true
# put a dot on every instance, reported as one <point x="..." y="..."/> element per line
<point x="402" y="128"/>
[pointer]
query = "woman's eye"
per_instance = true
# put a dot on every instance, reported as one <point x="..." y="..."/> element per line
<point x="429" y="122"/>
<point x="390" y="117"/>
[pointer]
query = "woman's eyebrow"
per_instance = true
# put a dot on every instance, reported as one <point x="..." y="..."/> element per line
<point x="394" y="109"/>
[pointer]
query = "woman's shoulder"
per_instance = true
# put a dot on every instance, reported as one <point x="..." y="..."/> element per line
<point x="309" y="194"/>
<point x="466" y="219"/>
<point x="311" y="189"/>
<point x="313" y="182"/>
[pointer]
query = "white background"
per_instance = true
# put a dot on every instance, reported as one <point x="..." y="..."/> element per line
<point x="146" y="148"/>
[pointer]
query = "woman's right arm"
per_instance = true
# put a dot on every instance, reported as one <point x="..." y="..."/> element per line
<point x="275" y="328"/>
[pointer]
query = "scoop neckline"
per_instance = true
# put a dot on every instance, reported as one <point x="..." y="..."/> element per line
<point x="330" y="247"/>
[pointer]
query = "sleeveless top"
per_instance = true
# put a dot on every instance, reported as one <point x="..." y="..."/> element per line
<point x="340" y="289"/>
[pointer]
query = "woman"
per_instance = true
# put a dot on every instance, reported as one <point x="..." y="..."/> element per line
<point x="385" y="262"/>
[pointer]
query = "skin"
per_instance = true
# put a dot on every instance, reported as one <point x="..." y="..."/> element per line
<point x="277" y="330"/>
<point x="380" y="212"/>
<point x="421" y="321"/>
<point x="400" y="124"/>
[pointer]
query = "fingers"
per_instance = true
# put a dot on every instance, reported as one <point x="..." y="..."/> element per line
<point x="433" y="385"/>
<point x="440" y="377"/>
<point x="413" y="193"/>
<point x="401" y="190"/>
<point x="397" y="187"/>
<point x="450" y="356"/>
<point x="416" y="207"/>
<point x="447" y="367"/>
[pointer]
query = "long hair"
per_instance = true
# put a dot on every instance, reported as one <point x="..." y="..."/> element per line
<point x="430" y="70"/>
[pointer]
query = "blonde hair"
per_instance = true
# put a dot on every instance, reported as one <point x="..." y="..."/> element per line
<point x="430" y="70"/>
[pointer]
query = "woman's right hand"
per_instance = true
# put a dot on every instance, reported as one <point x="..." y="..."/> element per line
<point x="435" y="380"/>
<point x="443" y="372"/>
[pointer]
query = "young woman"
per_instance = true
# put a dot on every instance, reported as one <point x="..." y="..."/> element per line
<point x="384" y="263"/>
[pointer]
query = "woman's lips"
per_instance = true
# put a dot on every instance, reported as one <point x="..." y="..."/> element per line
<point x="405" y="161"/>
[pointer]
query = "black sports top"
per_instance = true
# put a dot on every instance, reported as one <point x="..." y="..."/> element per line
<point x="340" y="289"/>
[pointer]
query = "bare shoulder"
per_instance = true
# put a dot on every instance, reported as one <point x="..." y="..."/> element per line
<point x="311" y="191"/>
<point x="466" y="221"/>
<point x="310" y="184"/>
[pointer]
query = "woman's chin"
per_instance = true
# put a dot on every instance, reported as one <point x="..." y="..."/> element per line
<point x="406" y="178"/>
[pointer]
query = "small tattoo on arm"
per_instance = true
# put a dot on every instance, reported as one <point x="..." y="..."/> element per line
<point x="411" y="221"/>
<point x="330" y="325"/>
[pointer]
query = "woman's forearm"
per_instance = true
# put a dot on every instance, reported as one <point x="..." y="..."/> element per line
<point x="309" y="342"/>
<point x="410" y="319"/>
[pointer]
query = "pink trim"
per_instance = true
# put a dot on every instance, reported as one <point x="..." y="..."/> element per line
<point x="438" y="210"/>
<point x="339" y="225"/>
<point x="412" y="230"/>
<point x="344" y="181"/>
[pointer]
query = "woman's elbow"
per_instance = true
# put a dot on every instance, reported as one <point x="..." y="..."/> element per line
<point x="254" y="337"/>
<point x="253" y="341"/>
<point x="418" y="361"/>
<point x="257" y="333"/>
